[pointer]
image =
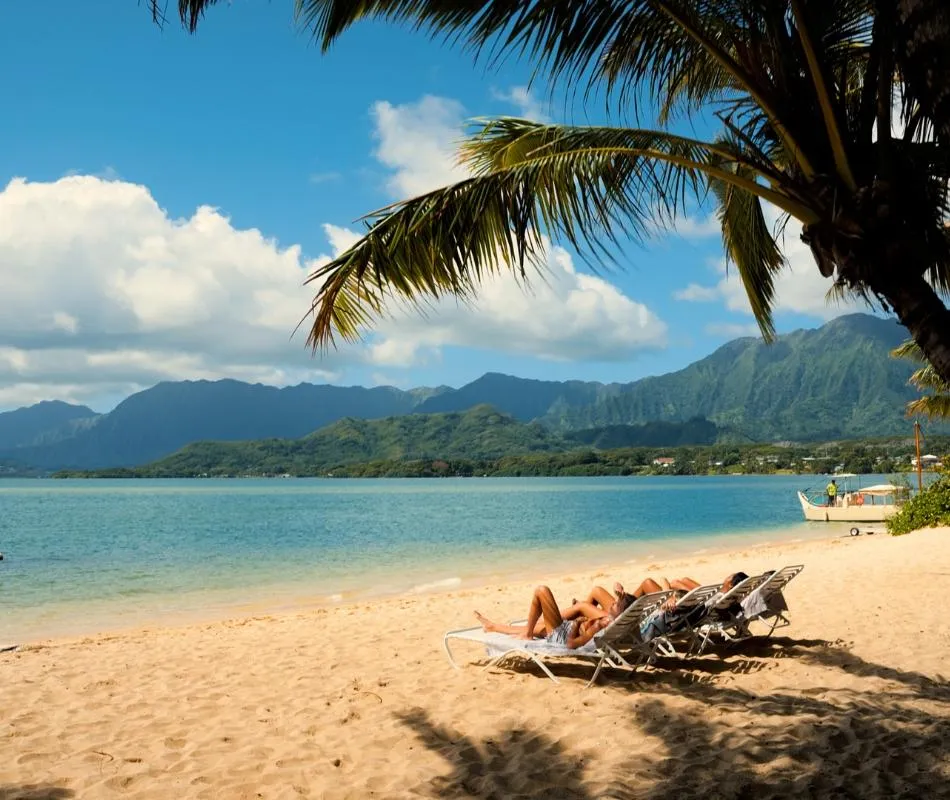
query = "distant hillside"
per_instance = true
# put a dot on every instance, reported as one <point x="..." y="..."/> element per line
<point x="42" y="422"/>
<point x="160" y="420"/>
<point x="478" y="433"/>
<point x="836" y="382"/>
<point x="831" y="383"/>
<point x="696" y="431"/>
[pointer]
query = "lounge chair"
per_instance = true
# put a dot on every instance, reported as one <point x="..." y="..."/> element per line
<point x="678" y="625"/>
<point x="724" y="613"/>
<point x="618" y="645"/>
<point x="767" y="603"/>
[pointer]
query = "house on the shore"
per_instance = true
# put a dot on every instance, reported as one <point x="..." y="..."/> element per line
<point x="928" y="461"/>
<point x="664" y="461"/>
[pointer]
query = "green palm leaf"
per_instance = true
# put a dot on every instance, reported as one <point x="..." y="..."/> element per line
<point x="933" y="406"/>
<point x="936" y="405"/>
<point x="585" y="185"/>
<point x="800" y="87"/>
<point x="750" y="245"/>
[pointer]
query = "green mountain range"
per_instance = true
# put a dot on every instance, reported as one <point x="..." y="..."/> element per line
<point x="479" y="433"/>
<point x="834" y="382"/>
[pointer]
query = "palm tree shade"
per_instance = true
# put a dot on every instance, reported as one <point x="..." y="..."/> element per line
<point x="834" y="112"/>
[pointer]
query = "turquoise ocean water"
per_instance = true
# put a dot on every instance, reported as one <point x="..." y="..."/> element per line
<point x="84" y="556"/>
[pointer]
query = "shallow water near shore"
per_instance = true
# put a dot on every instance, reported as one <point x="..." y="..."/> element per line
<point x="87" y="556"/>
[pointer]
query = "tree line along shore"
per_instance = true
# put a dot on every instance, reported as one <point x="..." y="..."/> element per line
<point x="272" y="458"/>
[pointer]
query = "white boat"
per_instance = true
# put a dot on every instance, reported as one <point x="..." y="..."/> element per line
<point x="853" y="503"/>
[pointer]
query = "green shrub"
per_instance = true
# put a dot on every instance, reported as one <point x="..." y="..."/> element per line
<point x="929" y="508"/>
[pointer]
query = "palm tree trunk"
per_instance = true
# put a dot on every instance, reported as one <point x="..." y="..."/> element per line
<point x="921" y="311"/>
<point x="924" y="55"/>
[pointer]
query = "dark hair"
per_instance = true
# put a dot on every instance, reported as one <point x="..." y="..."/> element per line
<point x="624" y="602"/>
<point x="735" y="579"/>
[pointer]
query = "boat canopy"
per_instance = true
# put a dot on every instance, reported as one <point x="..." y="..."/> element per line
<point x="880" y="488"/>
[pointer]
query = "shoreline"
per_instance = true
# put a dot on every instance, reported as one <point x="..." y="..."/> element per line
<point x="98" y="616"/>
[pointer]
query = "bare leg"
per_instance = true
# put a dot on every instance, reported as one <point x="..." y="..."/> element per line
<point x="599" y="596"/>
<point x="543" y="617"/>
<point x="649" y="586"/>
<point x="684" y="584"/>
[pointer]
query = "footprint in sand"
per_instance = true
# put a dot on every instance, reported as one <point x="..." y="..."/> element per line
<point x="174" y="742"/>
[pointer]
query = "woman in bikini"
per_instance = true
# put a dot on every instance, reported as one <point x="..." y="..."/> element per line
<point x="573" y="628"/>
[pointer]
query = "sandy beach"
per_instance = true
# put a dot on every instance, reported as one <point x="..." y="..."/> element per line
<point x="359" y="701"/>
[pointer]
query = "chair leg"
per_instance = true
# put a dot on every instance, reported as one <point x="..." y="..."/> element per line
<point x="544" y="667"/>
<point x="448" y="653"/>
<point x="600" y="666"/>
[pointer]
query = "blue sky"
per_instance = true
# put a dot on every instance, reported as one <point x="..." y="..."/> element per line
<point x="112" y="279"/>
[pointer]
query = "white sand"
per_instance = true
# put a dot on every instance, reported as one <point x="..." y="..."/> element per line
<point x="360" y="701"/>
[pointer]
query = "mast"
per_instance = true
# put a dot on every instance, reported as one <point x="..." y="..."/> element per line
<point x="920" y="478"/>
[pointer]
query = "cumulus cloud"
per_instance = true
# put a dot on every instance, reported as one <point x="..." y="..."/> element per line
<point x="731" y="330"/>
<point x="799" y="287"/>
<point x="529" y="107"/>
<point x="562" y="314"/>
<point x="101" y="292"/>
<point x="418" y="142"/>
<point x="698" y="227"/>
<point x="694" y="293"/>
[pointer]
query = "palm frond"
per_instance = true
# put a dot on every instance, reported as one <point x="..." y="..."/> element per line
<point x="751" y="246"/>
<point x="587" y="186"/>
<point x="909" y="351"/>
<point x="189" y="11"/>
<point x="831" y="109"/>
<point x="936" y="405"/>
<point x="933" y="406"/>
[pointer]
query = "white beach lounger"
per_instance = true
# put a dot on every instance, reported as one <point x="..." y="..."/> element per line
<point x="682" y="621"/>
<point x="767" y="603"/>
<point x="616" y="646"/>
<point x="720" y="618"/>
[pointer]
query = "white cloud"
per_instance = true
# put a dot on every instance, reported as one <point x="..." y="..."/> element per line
<point x="563" y="314"/>
<point x="419" y="142"/>
<point x="731" y="330"/>
<point x="324" y="177"/>
<point x="560" y="316"/>
<point x="799" y="287"/>
<point x="529" y="107"/>
<point x="138" y="297"/>
<point x="103" y="293"/>
<point x="695" y="228"/>
<point x="695" y="293"/>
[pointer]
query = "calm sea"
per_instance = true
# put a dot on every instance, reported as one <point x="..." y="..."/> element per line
<point x="84" y="556"/>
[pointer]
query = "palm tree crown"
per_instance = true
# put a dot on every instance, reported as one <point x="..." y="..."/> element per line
<point x="834" y="112"/>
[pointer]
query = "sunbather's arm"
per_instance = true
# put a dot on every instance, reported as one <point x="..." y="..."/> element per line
<point x="583" y="610"/>
<point x="582" y="632"/>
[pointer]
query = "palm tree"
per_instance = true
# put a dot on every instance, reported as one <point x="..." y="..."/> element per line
<point x="926" y="379"/>
<point x="834" y="112"/>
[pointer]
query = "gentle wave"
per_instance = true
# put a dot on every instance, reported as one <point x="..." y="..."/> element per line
<point x="446" y="583"/>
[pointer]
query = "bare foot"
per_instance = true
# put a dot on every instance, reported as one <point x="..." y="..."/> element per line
<point x="484" y="621"/>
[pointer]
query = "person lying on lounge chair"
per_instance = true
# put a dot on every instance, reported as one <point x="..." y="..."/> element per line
<point x="545" y="621"/>
<point x="600" y="600"/>
<point x="669" y="618"/>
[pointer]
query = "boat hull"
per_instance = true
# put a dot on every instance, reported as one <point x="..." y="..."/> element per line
<point x="846" y="513"/>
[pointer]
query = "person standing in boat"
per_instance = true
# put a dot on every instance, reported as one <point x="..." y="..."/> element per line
<point x="832" y="490"/>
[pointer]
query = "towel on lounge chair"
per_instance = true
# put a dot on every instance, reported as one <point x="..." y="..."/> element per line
<point x="759" y="603"/>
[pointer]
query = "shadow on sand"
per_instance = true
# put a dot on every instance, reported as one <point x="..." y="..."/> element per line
<point x="889" y="739"/>
<point x="35" y="791"/>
